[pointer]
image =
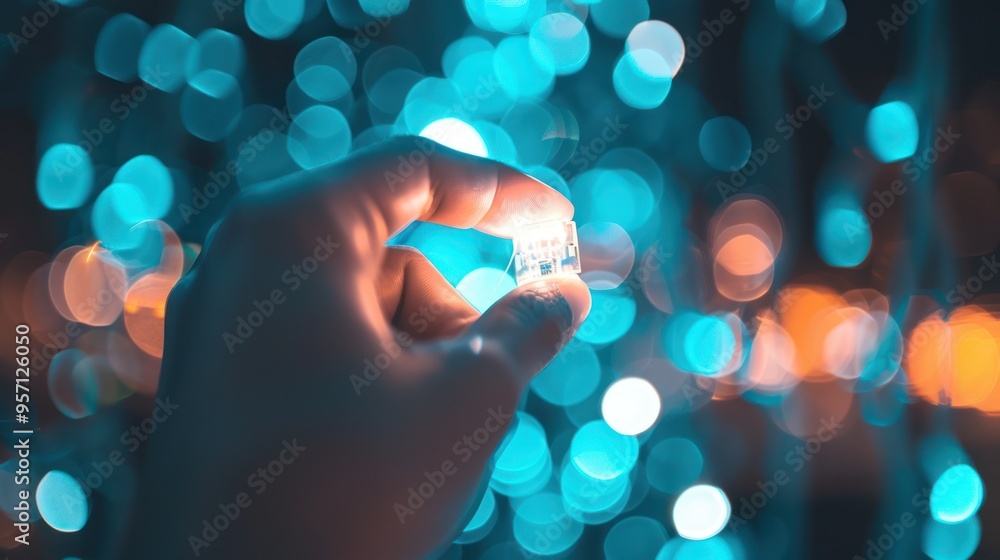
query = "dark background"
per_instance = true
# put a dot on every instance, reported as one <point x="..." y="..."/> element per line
<point x="846" y="492"/>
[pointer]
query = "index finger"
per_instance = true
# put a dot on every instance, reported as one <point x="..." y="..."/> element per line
<point x="412" y="178"/>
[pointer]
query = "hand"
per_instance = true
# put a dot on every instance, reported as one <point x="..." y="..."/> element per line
<point x="319" y="375"/>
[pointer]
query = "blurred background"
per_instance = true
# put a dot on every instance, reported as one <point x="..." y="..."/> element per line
<point x="788" y="216"/>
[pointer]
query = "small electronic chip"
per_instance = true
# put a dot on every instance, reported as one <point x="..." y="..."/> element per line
<point x="546" y="250"/>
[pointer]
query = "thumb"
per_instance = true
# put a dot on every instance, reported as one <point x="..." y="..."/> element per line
<point x="529" y="325"/>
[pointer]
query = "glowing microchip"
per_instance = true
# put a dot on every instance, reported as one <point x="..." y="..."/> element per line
<point x="546" y="250"/>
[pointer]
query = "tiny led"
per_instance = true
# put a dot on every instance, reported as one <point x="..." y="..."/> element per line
<point x="548" y="249"/>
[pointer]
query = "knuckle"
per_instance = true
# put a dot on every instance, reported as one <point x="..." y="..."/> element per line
<point x="408" y="255"/>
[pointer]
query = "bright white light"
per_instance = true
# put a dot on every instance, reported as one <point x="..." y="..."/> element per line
<point x="630" y="406"/>
<point x="660" y="38"/>
<point x="61" y="502"/>
<point x="548" y="249"/>
<point x="701" y="512"/>
<point x="457" y="135"/>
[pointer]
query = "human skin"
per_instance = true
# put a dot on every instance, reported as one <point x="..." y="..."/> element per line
<point x="362" y="440"/>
